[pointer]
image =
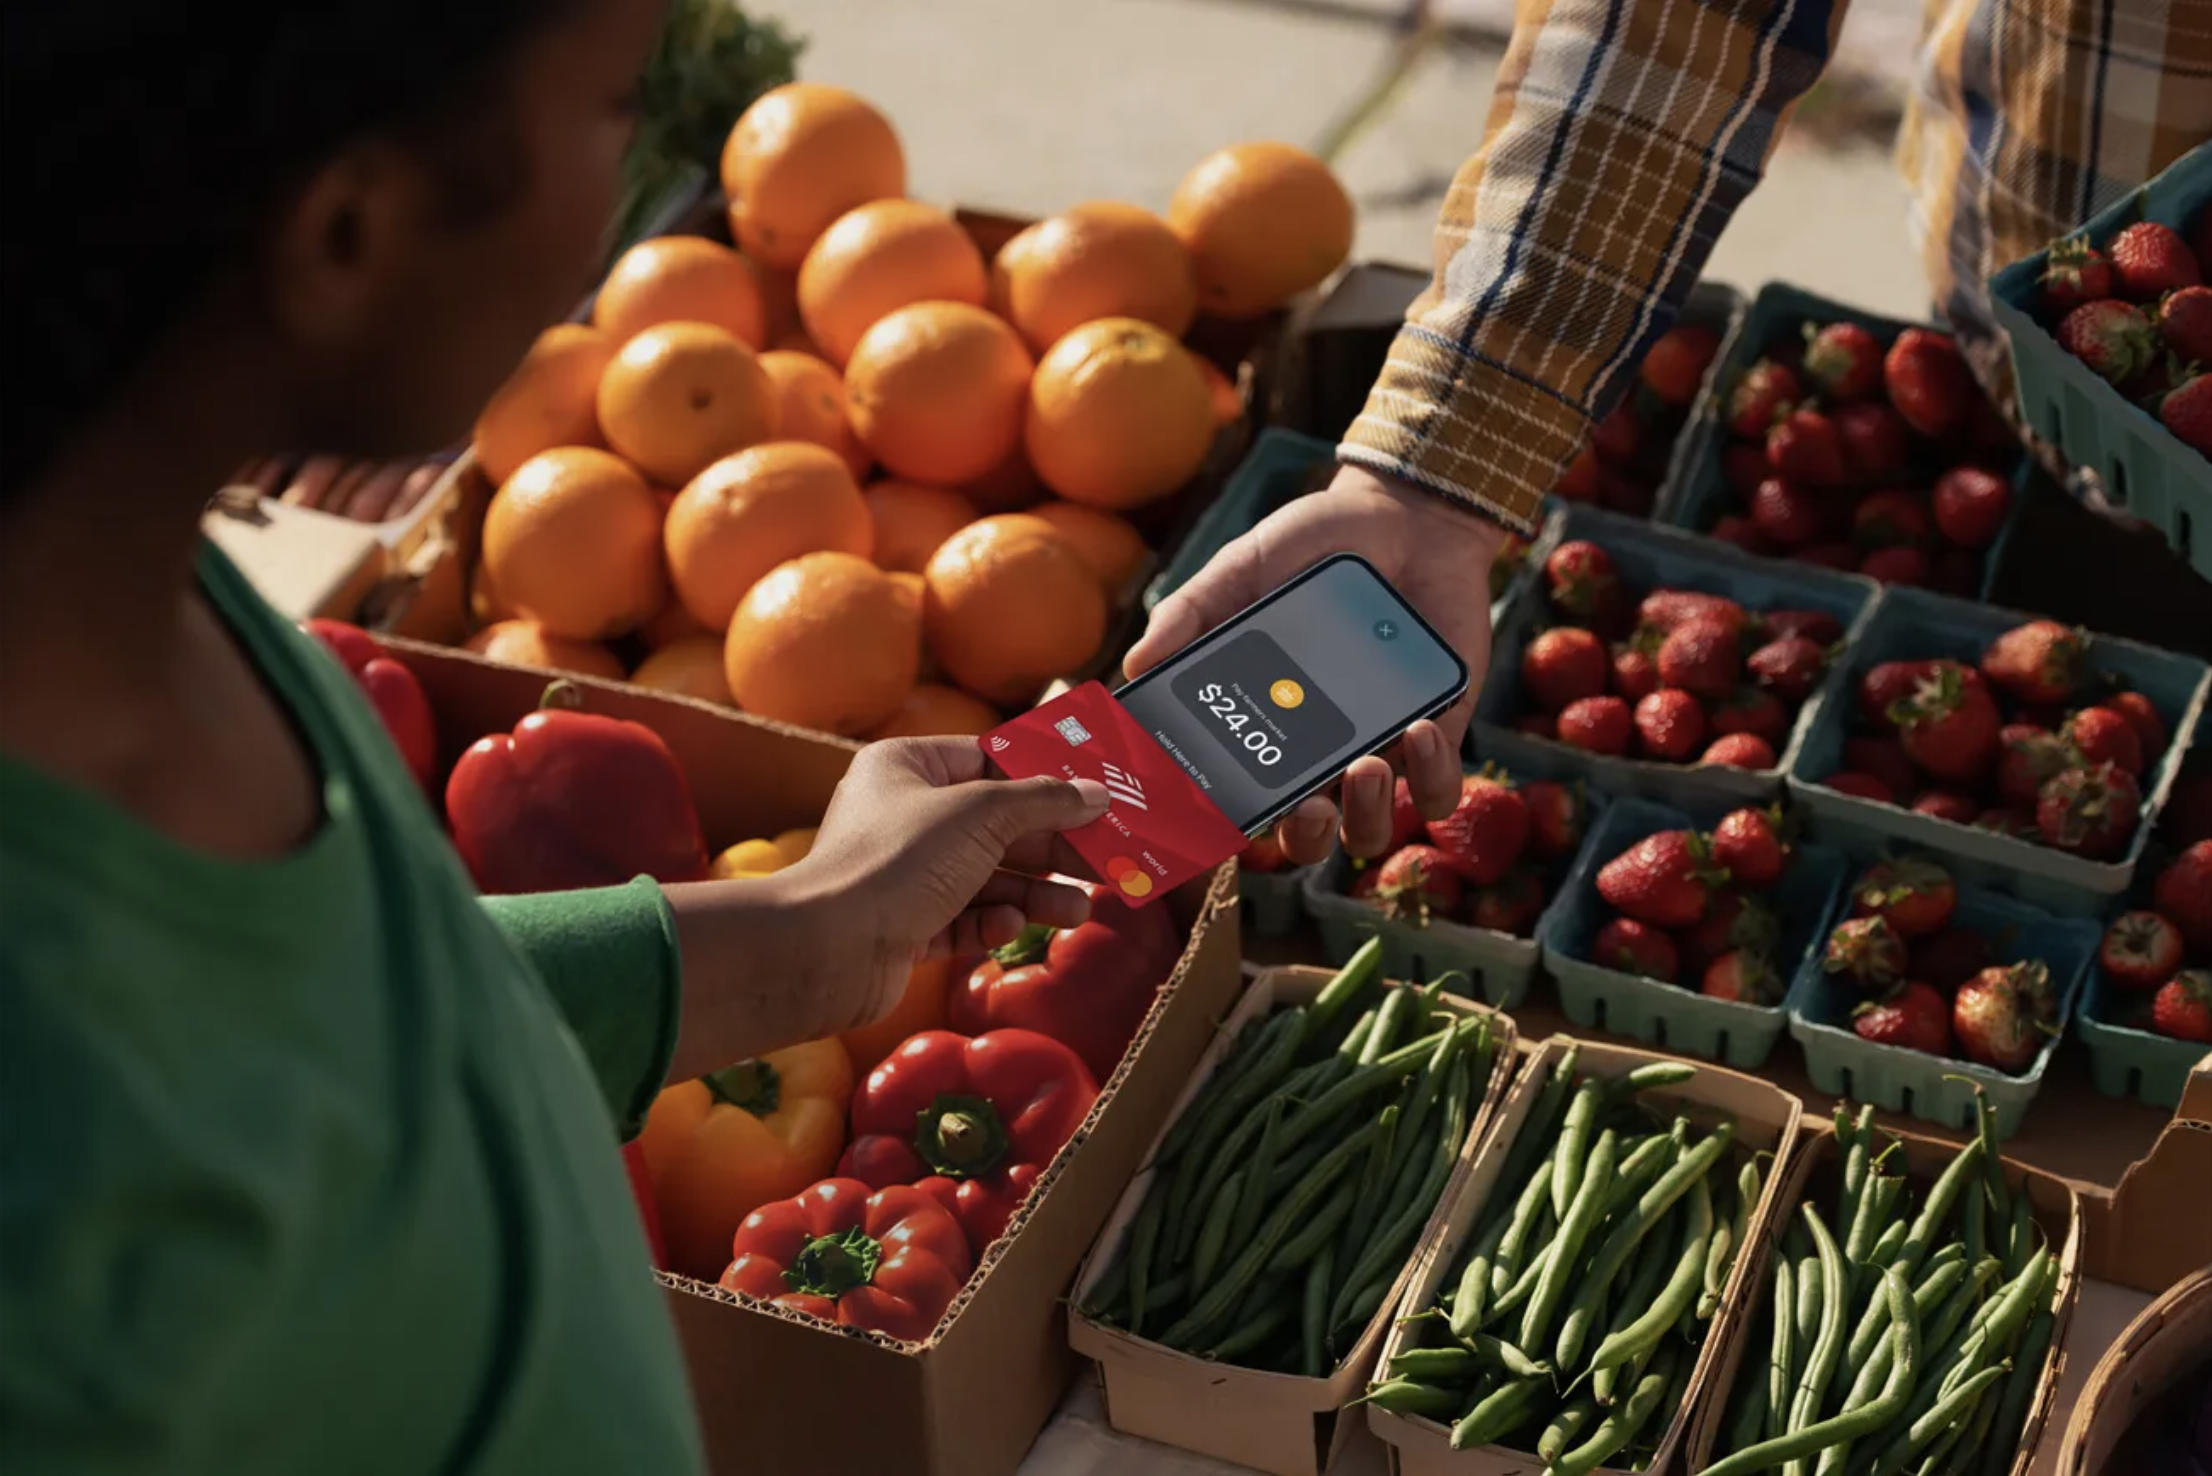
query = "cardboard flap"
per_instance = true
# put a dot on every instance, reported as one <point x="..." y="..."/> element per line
<point x="2153" y="1231"/>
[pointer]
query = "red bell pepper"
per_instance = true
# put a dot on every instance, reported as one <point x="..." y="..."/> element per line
<point x="970" y="1121"/>
<point x="1089" y="988"/>
<point x="648" y="1209"/>
<point x="888" y="1260"/>
<point x="392" y="690"/>
<point x="572" y="799"/>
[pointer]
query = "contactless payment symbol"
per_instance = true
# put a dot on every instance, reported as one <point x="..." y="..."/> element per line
<point x="1129" y="876"/>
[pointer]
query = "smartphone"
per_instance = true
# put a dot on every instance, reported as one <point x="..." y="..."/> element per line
<point x="1273" y="705"/>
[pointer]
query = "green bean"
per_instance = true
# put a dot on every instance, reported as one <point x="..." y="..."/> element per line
<point x="1883" y="1196"/>
<point x="1213" y="1235"/>
<point x="1394" y="1012"/>
<point x="1255" y="1331"/>
<point x="1644" y="1162"/>
<point x="2019" y="1242"/>
<point x="1827" y="1347"/>
<point x="1499" y="1413"/>
<point x="1975" y="1435"/>
<point x="1863" y="1229"/>
<point x="1974" y="1223"/>
<point x="1747" y="1425"/>
<point x="1254" y="1197"/>
<point x="1618" y="1428"/>
<point x="1354" y="1044"/>
<point x="1367" y="1301"/>
<point x="2011" y="1416"/>
<point x="1217" y="1151"/>
<point x="1808" y="1295"/>
<point x="1518" y="1295"/>
<point x="1621" y="1242"/>
<point x="1574" y="1137"/>
<point x="1888" y="1247"/>
<point x="1387" y="1070"/>
<point x="1936" y="1209"/>
<point x="1782" y="1359"/>
<point x="1313" y="1313"/>
<point x="1401" y="1226"/>
<point x="1866" y="1343"/>
<point x="1681" y="1288"/>
<point x="1414" y="1157"/>
<point x="1501" y="1355"/>
<point x="1109" y="1296"/>
<point x="1575" y="1416"/>
<point x="1858" y="1157"/>
<point x="1853" y="1424"/>
<point x="1251" y="1047"/>
<point x="1719" y="1256"/>
<point x="1521" y="1227"/>
<point x="1951" y="1409"/>
<point x="1537" y="1130"/>
<point x="1993" y="1163"/>
<point x="1144" y="1239"/>
<point x="1473" y="1294"/>
<point x="1411" y="1397"/>
<point x="1657" y="1075"/>
<point x="1300" y="1249"/>
<point x="1453" y="1365"/>
<point x="1636" y="1297"/>
<point x="1367" y="1202"/>
<point x="1360" y="970"/>
<point x="1574" y="1229"/>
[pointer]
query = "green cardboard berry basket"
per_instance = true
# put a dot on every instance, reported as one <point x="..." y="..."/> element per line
<point x="1676" y="1017"/>
<point x="2126" y="1061"/>
<point x="1272" y="901"/>
<point x="1697" y="494"/>
<point x="1910" y="624"/>
<point x="1939" y="1089"/>
<point x="1648" y="556"/>
<point x="2144" y="467"/>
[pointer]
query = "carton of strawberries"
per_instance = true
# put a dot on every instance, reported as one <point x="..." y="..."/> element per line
<point x="2138" y="313"/>
<point x="1491" y="864"/>
<point x="1698" y="908"/>
<point x="2156" y="961"/>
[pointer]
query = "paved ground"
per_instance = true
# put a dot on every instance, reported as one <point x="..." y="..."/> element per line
<point x="1028" y="105"/>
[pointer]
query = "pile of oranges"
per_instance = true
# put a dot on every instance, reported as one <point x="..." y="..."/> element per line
<point x="849" y="474"/>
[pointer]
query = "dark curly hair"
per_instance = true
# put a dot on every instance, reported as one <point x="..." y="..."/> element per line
<point x="156" y="137"/>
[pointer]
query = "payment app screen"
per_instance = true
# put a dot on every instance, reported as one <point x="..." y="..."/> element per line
<point x="1280" y="700"/>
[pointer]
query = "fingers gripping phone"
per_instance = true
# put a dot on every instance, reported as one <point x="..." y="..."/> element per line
<point x="1273" y="705"/>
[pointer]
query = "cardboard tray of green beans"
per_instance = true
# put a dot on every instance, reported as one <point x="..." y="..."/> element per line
<point x="1959" y="1269"/>
<point x="1586" y="1277"/>
<point x="1240" y="1324"/>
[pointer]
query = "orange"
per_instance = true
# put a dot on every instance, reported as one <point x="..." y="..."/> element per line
<point x="1099" y="260"/>
<point x="691" y="667"/>
<point x="1264" y="222"/>
<point x="912" y="520"/>
<point x="932" y="710"/>
<point x="825" y="641"/>
<point x="682" y="395"/>
<point x="749" y="858"/>
<point x="485" y="605"/>
<point x="748" y="513"/>
<point x="795" y="341"/>
<point x="1228" y="400"/>
<point x="1119" y="415"/>
<point x="1008" y="487"/>
<point x="526" y="643"/>
<point x="915" y="591"/>
<point x="937" y="392"/>
<point x="921" y="1007"/>
<point x="681" y="279"/>
<point x="1107" y="542"/>
<point x="552" y="399"/>
<point x="573" y="541"/>
<point x="810" y="406"/>
<point x="802" y="155"/>
<point x="1011" y="606"/>
<point x="879" y="258"/>
<point x="671" y="625"/>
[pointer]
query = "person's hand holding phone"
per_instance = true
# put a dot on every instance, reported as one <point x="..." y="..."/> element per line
<point x="1436" y="556"/>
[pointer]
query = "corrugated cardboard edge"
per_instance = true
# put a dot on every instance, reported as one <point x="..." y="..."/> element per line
<point x="2149" y="1231"/>
<point x="1420" y="1447"/>
<point x="2165" y="1341"/>
<point x="2058" y="1210"/>
<point x="1265" y="1420"/>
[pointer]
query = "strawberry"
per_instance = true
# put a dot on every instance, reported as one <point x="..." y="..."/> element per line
<point x="1486" y="831"/>
<point x="2002" y="1015"/>
<point x="1804" y="447"/>
<point x="1635" y="673"/>
<point x="1557" y="815"/>
<point x="1892" y="519"/>
<point x="1876" y="442"/>
<point x="2092" y="812"/>
<point x="1884" y="759"/>
<point x="1736" y="919"/>
<point x="2027" y="756"/>
<point x="1703" y="657"/>
<point x="1906" y="566"/>
<point x="1949" y="724"/>
<point x="1670" y="725"/>
<point x="1264" y="856"/>
<point x="2143" y="716"/>
<point x="1511" y="906"/>
<point x="1617" y="436"/>
<point x="2185" y="322"/>
<point x="2041" y="661"/>
<point x="1915" y="1017"/>
<point x="1740" y="751"/>
<point x="1763" y="396"/>
<point x="2200" y="238"/>
<point x="2183" y="893"/>
<point x="1741" y="978"/>
<point x="1841" y="557"/>
<point x="1364" y="882"/>
<point x="1929" y="383"/>
<point x="1868" y="952"/>
<point x="1416" y="884"/>
<point x="1666" y="879"/>
<point x="1817" y="626"/>
<point x="1749" y="843"/>
<point x="1635" y="948"/>
<point x="1676" y="365"/>
<point x="1915" y="896"/>
<point x="1743" y="467"/>
<point x="2187" y="412"/>
<point x="1565" y="664"/>
<point x="1597" y="725"/>
<point x="1946" y="804"/>
<point x="2150" y="260"/>
<point x="1753" y="711"/>
<point x="1788" y="514"/>
<point x="2140" y="951"/>
<point x="1735" y="528"/>
<point x="2182" y="1008"/>
<point x="1613" y="617"/>
<point x="1406" y="824"/>
<point x="2012" y="820"/>
<point x="1537" y="725"/>
<point x="1950" y="958"/>
<point x="1789" y="667"/>
<point x="1578" y="574"/>
<point x="2098" y="735"/>
<point x="2113" y="338"/>
<point x="1886" y="685"/>
<point x="1843" y="361"/>
<point x="1579" y="482"/>
<point x="2077" y="272"/>
<point x="1664" y="610"/>
<point x="1971" y="503"/>
<point x="1861" y="786"/>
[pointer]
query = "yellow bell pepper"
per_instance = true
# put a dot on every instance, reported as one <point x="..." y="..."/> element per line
<point x="763" y="857"/>
<point x="721" y="1147"/>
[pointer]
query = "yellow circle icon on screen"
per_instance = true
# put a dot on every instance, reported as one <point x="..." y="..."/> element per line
<point x="1287" y="693"/>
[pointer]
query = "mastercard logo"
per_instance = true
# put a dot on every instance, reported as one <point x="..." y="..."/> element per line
<point x="1126" y="874"/>
<point x="1287" y="693"/>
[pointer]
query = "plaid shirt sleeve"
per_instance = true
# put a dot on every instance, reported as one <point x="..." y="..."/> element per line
<point x="1622" y="137"/>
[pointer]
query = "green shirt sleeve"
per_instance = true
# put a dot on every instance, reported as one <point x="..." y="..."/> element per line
<point x="609" y="958"/>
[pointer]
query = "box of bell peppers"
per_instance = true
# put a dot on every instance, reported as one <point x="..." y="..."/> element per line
<point x="960" y="1354"/>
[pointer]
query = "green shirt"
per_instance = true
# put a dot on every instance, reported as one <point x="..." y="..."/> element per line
<point x="310" y="1165"/>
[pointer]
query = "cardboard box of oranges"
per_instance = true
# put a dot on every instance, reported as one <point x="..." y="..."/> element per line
<point x="845" y="460"/>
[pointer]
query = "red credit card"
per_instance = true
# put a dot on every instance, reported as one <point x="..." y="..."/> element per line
<point x="1159" y="829"/>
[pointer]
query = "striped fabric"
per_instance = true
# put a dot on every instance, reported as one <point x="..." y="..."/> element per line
<point x="1625" y="132"/>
